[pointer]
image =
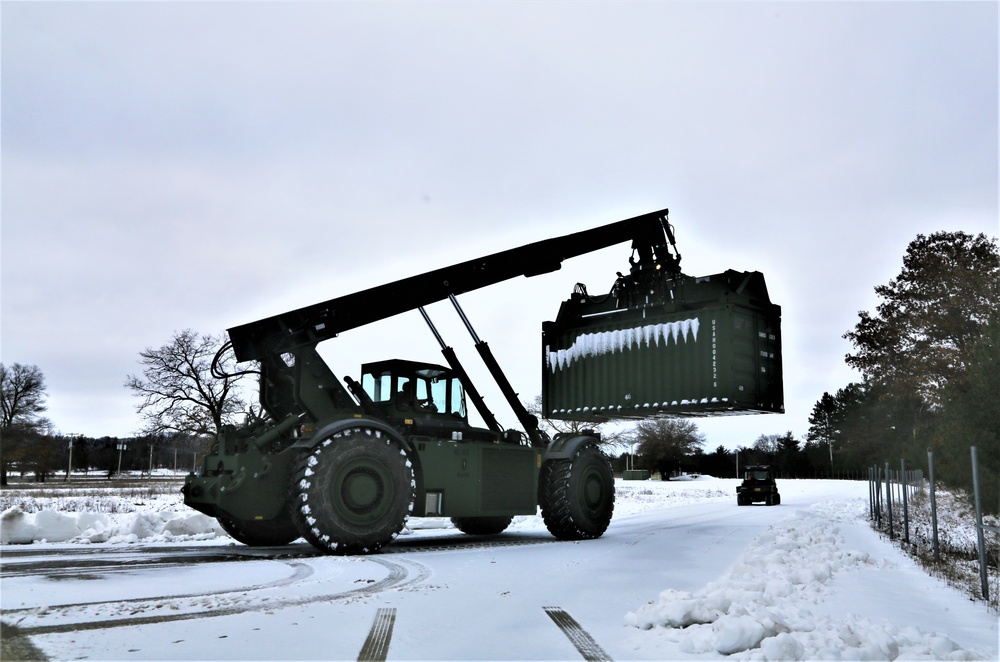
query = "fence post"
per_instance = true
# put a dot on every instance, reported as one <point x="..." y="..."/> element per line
<point x="878" y="495"/>
<point x="906" y="508"/>
<point x="934" y="528"/>
<point x="871" y="496"/>
<point x="888" y="499"/>
<point x="979" y="526"/>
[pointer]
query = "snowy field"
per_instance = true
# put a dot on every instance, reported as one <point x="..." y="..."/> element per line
<point x="682" y="573"/>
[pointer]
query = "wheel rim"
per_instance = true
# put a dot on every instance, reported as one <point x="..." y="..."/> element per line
<point x="593" y="490"/>
<point x="364" y="489"/>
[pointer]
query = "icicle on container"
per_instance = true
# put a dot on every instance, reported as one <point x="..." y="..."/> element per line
<point x="664" y="344"/>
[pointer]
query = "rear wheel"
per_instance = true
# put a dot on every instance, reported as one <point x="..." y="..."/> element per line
<point x="481" y="526"/>
<point x="353" y="492"/>
<point x="577" y="495"/>
<point x="260" y="533"/>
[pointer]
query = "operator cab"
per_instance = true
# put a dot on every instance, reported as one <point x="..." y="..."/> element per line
<point x="407" y="389"/>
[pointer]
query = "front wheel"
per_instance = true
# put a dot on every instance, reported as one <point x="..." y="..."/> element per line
<point x="353" y="492"/>
<point x="577" y="495"/>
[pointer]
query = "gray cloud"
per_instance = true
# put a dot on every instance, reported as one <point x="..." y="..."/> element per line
<point x="199" y="165"/>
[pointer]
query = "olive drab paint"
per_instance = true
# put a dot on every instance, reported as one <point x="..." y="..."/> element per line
<point x="697" y="347"/>
<point x="343" y="463"/>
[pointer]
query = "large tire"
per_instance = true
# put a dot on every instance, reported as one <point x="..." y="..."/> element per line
<point x="260" y="533"/>
<point x="577" y="495"/>
<point x="353" y="492"/>
<point x="481" y="526"/>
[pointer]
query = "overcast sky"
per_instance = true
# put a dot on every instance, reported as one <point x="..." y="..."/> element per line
<point x="168" y="166"/>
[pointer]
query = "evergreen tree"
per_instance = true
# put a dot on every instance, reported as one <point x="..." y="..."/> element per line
<point x="822" y="429"/>
<point x="971" y="417"/>
<point x="918" y="340"/>
<point x="790" y="460"/>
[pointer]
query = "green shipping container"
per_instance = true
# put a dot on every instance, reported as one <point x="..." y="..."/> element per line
<point x="700" y="347"/>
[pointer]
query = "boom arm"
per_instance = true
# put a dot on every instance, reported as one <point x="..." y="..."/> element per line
<point x="649" y="234"/>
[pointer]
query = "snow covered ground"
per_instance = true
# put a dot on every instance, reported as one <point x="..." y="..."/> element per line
<point x="682" y="573"/>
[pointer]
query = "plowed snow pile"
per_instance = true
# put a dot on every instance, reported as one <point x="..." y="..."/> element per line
<point x="771" y="604"/>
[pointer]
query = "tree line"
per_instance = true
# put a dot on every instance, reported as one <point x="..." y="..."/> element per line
<point x="47" y="457"/>
<point x="671" y="446"/>
<point x="928" y="356"/>
<point x="929" y="359"/>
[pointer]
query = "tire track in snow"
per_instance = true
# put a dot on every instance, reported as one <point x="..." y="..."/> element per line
<point x="404" y="574"/>
<point x="300" y="571"/>
<point x="580" y="638"/>
<point x="376" y="646"/>
<point x="79" y="562"/>
<point x="460" y="544"/>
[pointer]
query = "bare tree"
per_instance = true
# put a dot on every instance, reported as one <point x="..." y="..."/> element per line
<point x="609" y="437"/>
<point x="767" y="445"/>
<point x="180" y="392"/>
<point x="22" y="391"/>
<point x="22" y="402"/>
<point x="665" y="442"/>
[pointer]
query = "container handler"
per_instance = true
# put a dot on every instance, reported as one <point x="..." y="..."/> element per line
<point x="344" y="465"/>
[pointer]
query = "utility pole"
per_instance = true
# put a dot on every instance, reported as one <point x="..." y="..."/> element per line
<point x="121" y="447"/>
<point x="69" y="467"/>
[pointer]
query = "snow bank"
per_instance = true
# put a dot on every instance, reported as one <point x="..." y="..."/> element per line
<point x="765" y="607"/>
<point x="19" y="527"/>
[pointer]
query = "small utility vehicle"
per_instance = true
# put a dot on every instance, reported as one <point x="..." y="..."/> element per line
<point x="758" y="485"/>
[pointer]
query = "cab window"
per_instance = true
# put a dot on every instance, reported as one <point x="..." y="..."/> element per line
<point x="425" y="390"/>
<point x="457" y="398"/>
<point x="377" y="386"/>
